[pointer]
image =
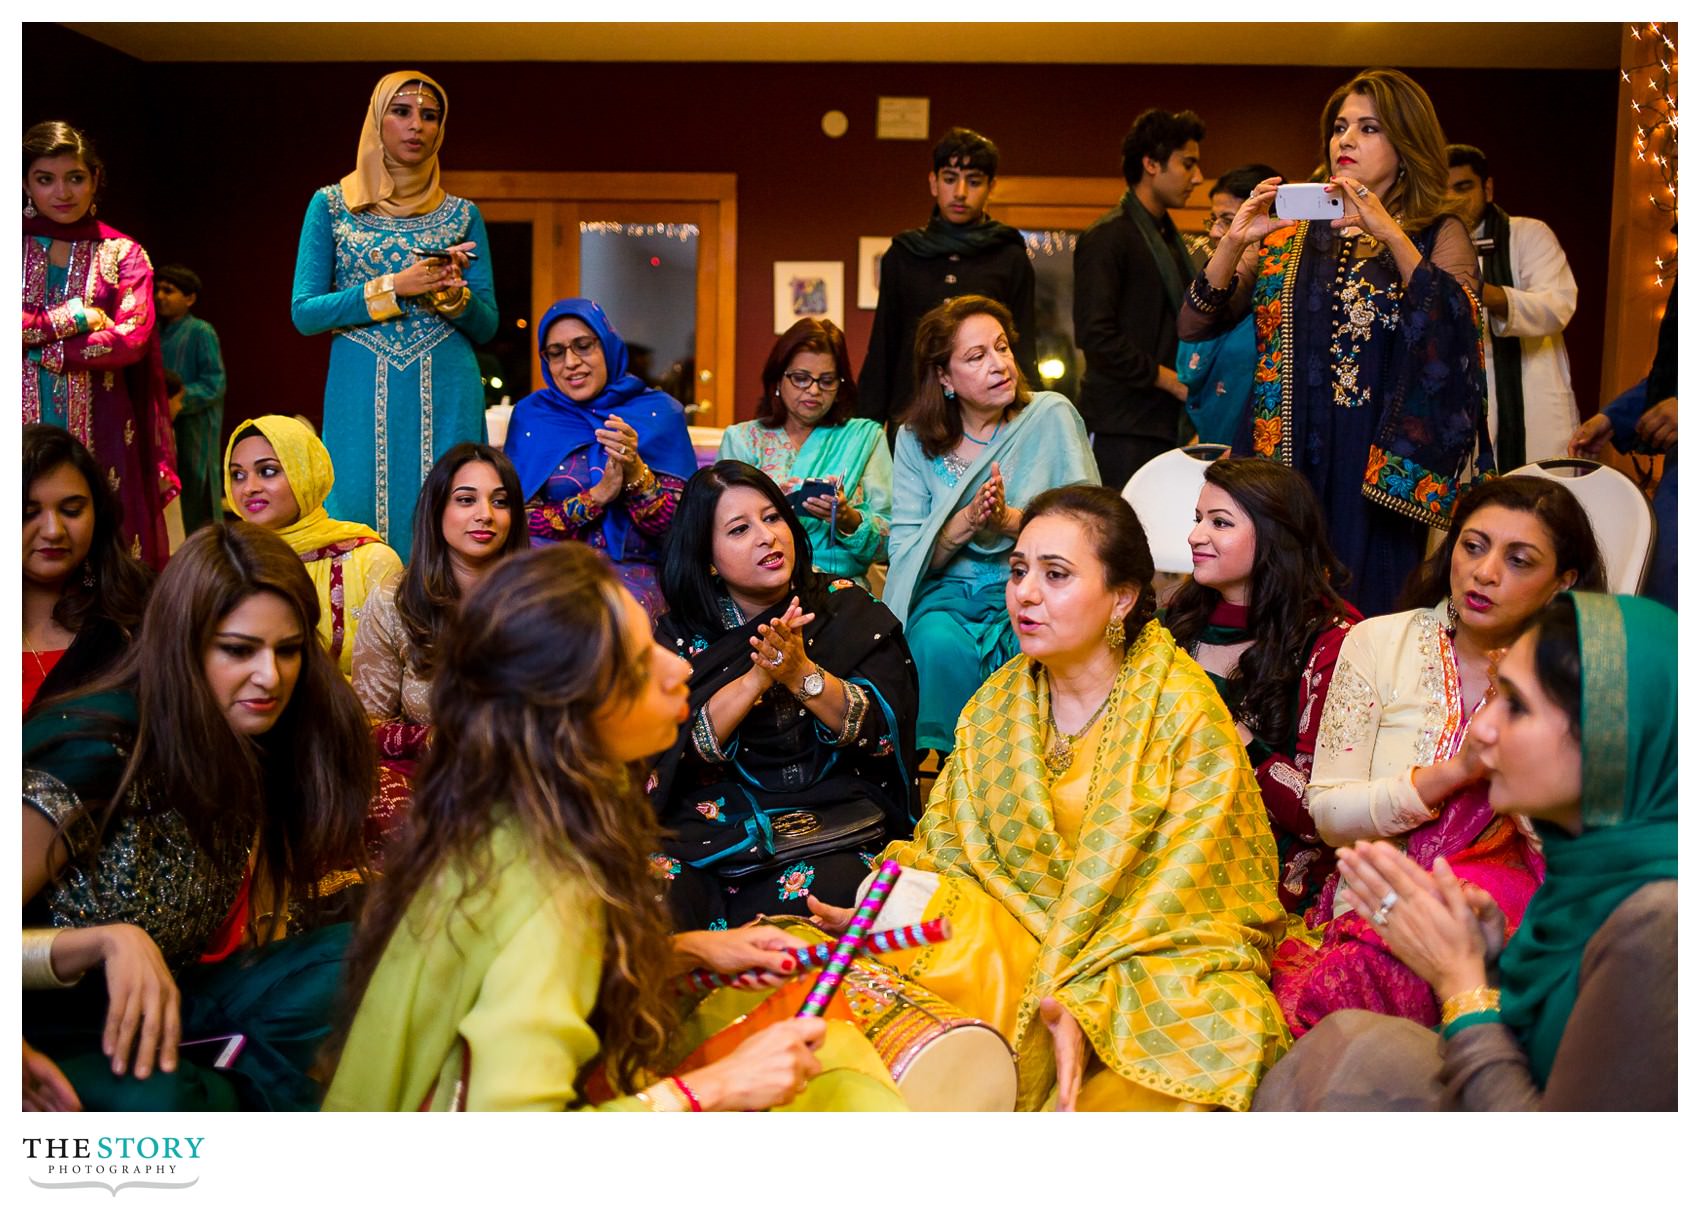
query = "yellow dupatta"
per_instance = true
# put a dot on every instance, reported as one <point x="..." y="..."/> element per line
<point x="345" y="579"/>
<point x="1156" y="935"/>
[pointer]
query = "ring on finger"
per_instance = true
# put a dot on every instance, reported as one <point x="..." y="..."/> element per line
<point x="1363" y="191"/>
<point x="1379" y="918"/>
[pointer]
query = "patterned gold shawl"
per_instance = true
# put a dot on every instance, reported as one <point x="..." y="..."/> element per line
<point x="1156" y="936"/>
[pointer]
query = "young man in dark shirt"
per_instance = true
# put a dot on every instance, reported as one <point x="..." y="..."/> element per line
<point x="959" y="252"/>
<point x="1130" y="269"/>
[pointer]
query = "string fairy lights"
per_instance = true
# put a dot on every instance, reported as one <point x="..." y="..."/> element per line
<point x="1652" y="104"/>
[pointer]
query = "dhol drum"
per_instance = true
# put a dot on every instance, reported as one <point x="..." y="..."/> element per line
<point x="941" y="1059"/>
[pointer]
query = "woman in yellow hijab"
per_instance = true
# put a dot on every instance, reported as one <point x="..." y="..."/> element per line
<point x="403" y="385"/>
<point x="277" y="475"/>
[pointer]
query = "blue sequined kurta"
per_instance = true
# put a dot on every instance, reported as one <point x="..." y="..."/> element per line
<point x="400" y="392"/>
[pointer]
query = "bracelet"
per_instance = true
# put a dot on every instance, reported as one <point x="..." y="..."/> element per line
<point x="38" y="960"/>
<point x="690" y="1095"/>
<point x="1207" y="298"/>
<point x="451" y="303"/>
<point x="661" y="1097"/>
<point x="1482" y="998"/>
<point x="1473" y="1019"/>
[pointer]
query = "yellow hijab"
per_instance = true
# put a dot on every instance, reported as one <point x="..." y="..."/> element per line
<point x="307" y="464"/>
<point x="382" y="184"/>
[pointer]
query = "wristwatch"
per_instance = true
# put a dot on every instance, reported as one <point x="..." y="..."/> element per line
<point x="814" y="682"/>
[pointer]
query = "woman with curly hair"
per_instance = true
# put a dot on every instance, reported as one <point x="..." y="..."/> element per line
<point x="1263" y="615"/>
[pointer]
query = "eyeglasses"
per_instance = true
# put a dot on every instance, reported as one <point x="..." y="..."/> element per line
<point x="1222" y="220"/>
<point x="803" y="381"/>
<point x="584" y="347"/>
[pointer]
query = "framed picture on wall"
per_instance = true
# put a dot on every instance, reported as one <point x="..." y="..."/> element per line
<point x="869" y="250"/>
<point x="807" y="288"/>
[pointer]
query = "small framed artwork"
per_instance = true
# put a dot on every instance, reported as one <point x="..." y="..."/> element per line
<point x="869" y="250"/>
<point x="807" y="288"/>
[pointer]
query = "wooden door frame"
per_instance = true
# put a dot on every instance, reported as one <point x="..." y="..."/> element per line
<point x="1074" y="203"/>
<point x="517" y="196"/>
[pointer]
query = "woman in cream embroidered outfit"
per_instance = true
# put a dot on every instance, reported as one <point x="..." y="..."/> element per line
<point x="403" y="384"/>
<point x="1392" y="758"/>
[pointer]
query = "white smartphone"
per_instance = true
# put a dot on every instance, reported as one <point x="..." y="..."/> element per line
<point x="1307" y="201"/>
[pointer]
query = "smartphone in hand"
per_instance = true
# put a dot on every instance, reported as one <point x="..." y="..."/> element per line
<point x="1305" y="200"/>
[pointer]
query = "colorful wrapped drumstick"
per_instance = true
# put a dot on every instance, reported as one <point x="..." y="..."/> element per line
<point x="826" y="985"/>
<point x="813" y="956"/>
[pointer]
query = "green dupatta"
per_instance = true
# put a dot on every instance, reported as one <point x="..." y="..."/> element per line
<point x="1628" y="838"/>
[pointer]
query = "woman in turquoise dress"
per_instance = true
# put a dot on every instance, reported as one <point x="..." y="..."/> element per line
<point x="976" y="445"/>
<point x="403" y="384"/>
<point x="804" y="431"/>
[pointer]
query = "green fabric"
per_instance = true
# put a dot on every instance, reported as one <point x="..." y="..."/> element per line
<point x="941" y="237"/>
<point x="282" y="997"/>
<point x="1165" y="248"/>
<point x="1628" y="838"/>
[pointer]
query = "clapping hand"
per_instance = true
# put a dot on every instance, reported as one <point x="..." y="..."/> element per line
<point x="778" y="649"/>
<point x="1442" y="932"/>
<point x="620" y="441"/>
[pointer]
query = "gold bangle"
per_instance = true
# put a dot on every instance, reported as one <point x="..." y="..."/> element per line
<point x="38" y="960"/>
<point x="1482" y="998"/>
<point x="663" y="1097"/>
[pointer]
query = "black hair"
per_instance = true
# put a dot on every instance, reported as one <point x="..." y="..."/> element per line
<point x="182" y="277"/>
<point x="1463" y="153"/>
<point x="1242" y="180"/>
<point x="1294" y="593"/>
<point x="692" y="593"/>
<point x="45" y="140"/>
<point x="1558" y="657"/>
<point x="966" y="149"/>
<point x="1554" y="505"/>
<point x="111" y="584"/>
<point x="1158" y="134"/>
<point x="1118" y="540"/>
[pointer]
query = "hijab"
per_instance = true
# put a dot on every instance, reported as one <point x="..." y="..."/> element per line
<point x="383" y="184"/>
<point x="1628" y="838"/>
<point x="548" y="425"/>
<point x="307" y="465"/>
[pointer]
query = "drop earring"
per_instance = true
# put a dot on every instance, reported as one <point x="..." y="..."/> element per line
<point x="1115" y="633"/>
<point x="29" y="207"/>
<point x="1451" y="615"/>
<point x="949" y="394"/>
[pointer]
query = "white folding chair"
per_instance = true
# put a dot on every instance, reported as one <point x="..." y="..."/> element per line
<point x="1621" y="516"/>
<point x="1164" y="493"/>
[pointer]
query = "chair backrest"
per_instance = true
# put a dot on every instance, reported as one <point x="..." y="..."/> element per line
<point x="496" y="419"/>
<point x="1164" y="493"/>
<point x="1621" y="516"/>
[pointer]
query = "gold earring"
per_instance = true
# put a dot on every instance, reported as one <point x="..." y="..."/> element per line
<point x="1115" y="633"/>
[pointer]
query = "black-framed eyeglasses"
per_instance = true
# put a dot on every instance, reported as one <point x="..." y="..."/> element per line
<point x="803" y="381"/>
<point x="584" y="347"/>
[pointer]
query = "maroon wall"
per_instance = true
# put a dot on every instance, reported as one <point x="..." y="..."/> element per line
<point x="232" y="153"/>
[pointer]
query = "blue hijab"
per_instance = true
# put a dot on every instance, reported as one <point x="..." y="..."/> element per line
<point x="549" y="425"/>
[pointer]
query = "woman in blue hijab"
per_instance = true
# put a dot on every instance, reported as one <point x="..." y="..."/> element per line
<point x="602" y="457"/>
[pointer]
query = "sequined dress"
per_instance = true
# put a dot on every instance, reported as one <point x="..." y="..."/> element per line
<point x="401" y="390"/>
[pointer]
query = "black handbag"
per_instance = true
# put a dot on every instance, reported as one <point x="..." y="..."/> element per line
<point x="800" y="833"/>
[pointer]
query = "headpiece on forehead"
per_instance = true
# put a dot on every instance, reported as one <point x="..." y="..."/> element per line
<point x="381" y="183"/>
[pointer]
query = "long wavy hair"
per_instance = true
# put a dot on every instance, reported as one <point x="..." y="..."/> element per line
<point x="1556" y="507"/>
<point x="810" y="335"/>
<point x="120" y="582"/>
<point x="1419" y="195"/>
<point x="937" y="422"/>
<point x="538" y="649"/>
<point x="1295" y="592"/>
<point x="429" y="595"/>
<point x="692" y="592"/>
<point x="305" y="784"/>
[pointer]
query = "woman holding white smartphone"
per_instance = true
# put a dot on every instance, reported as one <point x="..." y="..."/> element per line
<point x="1382" y="427"/>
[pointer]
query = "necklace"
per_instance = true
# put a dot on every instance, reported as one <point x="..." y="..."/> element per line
<point x="38" y="662"/>
<point x="1059" y="755"/>
<point x="987" y="440"/>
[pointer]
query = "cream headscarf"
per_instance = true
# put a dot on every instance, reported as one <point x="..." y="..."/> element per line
<point x="380" y="183"/>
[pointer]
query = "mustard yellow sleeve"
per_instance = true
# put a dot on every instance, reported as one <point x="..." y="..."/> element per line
<point x="528" y="1032"/>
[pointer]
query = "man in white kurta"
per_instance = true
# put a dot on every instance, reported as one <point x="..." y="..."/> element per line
<point x="1535" y="308"/>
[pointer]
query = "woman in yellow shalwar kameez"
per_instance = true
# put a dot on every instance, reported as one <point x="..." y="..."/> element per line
<point x="1099" y="844"/>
